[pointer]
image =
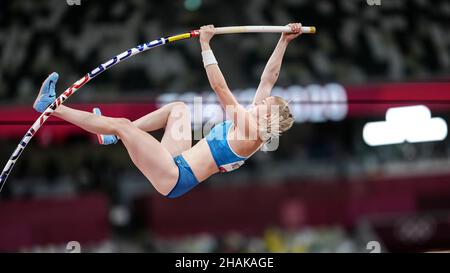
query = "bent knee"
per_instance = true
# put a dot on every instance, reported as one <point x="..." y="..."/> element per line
<point x="180" y="108"/>
<point x="177" y="104"/>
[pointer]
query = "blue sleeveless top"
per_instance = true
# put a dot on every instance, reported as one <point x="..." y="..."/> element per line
<point x="226" y="159"/>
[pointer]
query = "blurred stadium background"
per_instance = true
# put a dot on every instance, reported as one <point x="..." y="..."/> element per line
<point x="326" y="189"/>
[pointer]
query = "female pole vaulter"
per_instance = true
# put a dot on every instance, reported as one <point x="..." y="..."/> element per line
<point x="173" y="165"/>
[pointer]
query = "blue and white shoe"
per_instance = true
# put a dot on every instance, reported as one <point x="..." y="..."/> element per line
<point x="104" y="139"/>
<point x="47" y="93"/>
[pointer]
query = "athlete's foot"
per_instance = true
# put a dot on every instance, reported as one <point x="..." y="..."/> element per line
<point x="104" y="139"/>
<point x="47" y="93"/>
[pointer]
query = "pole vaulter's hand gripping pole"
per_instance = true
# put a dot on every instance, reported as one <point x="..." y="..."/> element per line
<point x="117" y="59"/>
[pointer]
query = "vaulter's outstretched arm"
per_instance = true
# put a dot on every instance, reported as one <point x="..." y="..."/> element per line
<point x="272" y="70"/>
<point x="215" y="76"/>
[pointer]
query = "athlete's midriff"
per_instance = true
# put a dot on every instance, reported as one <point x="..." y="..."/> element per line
<point x="200" y="160"/>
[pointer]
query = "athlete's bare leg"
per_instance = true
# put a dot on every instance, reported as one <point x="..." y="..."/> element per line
<point x="147" y="153"/>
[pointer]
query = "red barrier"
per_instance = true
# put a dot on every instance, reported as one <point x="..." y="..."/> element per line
<point x="251" y="209"/>
<point x="375" y="99"/>
<point x="16" y="120"/>
<point x="53" y="221"/>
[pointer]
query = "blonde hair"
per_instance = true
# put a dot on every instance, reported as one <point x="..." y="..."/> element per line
<point x="278" y="122"/>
